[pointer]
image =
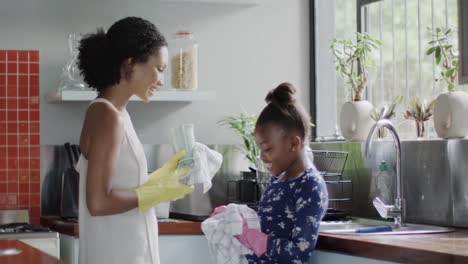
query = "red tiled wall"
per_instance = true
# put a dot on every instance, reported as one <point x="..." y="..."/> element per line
<point x="19" y="131"/>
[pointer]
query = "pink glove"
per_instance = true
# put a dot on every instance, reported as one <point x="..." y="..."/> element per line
<point x="218" y="210"/>
<point x="253" y="239"/>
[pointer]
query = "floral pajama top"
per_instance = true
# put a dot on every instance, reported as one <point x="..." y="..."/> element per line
<point x="290" y="213"/>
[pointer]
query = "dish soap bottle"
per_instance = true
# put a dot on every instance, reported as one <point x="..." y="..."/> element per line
<point x="381" y="184"/>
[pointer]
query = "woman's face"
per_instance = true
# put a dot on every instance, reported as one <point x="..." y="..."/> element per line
<point x="276" y="147"/>
<point x="148" y="77"/>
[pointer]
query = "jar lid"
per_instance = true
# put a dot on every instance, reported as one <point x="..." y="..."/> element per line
<point x="183" y="33"/>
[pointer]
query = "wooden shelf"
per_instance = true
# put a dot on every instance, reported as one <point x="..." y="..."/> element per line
<point x="163" y="95"/>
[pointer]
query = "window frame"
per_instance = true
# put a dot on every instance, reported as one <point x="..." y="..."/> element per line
<point x="463" y="41"/>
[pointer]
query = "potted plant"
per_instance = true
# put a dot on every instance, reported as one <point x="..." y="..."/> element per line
<point x="244" y="125"/>
<point x="353" y="59"/>
<point x="386" y="112"/>
<point x="420" y="112"/>
<point x="450" y="108"/>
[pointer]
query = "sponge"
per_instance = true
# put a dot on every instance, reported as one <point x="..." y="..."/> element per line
<point x="374" y="229"/>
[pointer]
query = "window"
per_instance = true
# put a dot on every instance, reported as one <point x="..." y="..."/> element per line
<point x="403" y="68"/>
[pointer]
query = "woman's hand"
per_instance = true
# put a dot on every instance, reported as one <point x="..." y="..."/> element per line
<point x="163" y="184"/>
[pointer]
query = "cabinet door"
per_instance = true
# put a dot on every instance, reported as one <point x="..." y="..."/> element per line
<point x="69" y="248"/>
<point x="324" y="257"/>
<point x="184" y="249"/>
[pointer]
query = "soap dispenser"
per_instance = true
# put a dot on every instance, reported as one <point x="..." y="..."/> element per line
<point x="381" y="184"/>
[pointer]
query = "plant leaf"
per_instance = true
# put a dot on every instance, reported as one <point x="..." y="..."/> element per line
<point x="430" y="50"/>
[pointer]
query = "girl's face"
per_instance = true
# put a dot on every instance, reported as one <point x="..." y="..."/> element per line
<point x="277" y="149"/>
<point x="148" y="77"/>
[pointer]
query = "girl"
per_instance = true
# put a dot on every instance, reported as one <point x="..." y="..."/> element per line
<point x="292" y="207"/>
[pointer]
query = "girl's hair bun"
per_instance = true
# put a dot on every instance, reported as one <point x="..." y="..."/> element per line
<point x="283" y="95"/>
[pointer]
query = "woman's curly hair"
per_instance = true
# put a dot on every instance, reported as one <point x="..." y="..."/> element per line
<point x="101" y="55"/>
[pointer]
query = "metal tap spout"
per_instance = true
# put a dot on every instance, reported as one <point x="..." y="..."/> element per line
<point x="396" y="211"/>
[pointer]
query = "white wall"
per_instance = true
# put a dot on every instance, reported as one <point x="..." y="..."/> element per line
<point x="244" y="52"/>
<point x="326" y="81"/>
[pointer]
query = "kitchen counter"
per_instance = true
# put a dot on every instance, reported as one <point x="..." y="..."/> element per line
<point x="166" y="227"/>
<point x="429" y="248"/>
<point x="28" y="254"/>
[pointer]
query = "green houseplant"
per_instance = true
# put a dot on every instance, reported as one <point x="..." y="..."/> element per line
<point x="244" y="125"/>
<point x="444" y="55"/>
<point x="451" y="108"/>
<point x="353" y="60"/>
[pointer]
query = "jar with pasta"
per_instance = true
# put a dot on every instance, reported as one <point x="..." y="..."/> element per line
<point x="184" y="61"/>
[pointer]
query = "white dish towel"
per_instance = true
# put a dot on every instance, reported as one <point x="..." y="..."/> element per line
<point x="206" y="162"/>
<point x="220" y="230"/>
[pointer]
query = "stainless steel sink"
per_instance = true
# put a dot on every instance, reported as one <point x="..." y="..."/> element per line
<point x="352" y="226"/>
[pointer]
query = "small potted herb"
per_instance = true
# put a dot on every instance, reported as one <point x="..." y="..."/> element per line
<point x="420" y="112"/>
<point x="386" y="113"/>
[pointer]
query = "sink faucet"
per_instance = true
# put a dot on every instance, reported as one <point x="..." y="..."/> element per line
<point x="396" y="211"/>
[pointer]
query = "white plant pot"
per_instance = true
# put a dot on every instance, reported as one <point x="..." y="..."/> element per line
<point x="450" y="115"/>
<point x="355" y="120"/>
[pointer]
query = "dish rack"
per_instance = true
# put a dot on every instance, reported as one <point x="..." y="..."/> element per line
<point x="234" y="194"/>
<point x="331" y="165"/>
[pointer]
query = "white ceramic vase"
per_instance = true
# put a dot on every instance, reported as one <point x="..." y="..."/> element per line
<point x="355" y="120"/>
<point x="450" y="115"/>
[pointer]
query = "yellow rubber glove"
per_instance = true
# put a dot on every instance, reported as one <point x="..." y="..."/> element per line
<point x="168" y="171"/>
<point x="163" y="184"/>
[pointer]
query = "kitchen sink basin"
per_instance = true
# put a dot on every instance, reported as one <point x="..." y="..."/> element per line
<point x="366" y="227"/>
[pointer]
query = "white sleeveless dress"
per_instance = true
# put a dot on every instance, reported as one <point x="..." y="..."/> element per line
<point x="126" y="238"/>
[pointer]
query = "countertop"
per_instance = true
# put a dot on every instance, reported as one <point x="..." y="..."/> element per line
<point x="174" y="227"/>
<point x="429" y="248"/>
<point x="28" y="255"/>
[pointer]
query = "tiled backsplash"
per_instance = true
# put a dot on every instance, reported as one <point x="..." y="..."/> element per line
<point x="19" y="131"/>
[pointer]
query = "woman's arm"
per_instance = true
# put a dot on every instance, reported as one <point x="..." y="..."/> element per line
<point x="105" y="135"/>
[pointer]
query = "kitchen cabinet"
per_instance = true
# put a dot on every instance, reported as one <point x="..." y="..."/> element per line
<point x="194" y="248"/>
<point x="163" y="95"/>
<point x="69" y="249"/>
<point x="231" y="2"/>
<point x="195" y="251"/>
<point x="184" y="249"/>
<point x="320" y="256"/>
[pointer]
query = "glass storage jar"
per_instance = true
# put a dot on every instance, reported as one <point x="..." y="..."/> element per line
<point x="184" y="61"/>
<point x="70" y="79"/>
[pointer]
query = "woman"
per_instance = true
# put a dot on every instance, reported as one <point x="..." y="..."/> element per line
<point x="293" y="205"/>
<point x="127" y="60"/>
